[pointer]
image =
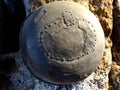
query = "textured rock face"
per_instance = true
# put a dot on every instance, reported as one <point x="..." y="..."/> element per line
<point x="57" y="47"/>
<point x="103" y="9"/>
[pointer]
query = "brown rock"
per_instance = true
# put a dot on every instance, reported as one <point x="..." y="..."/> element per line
<point x="103" y="9"/>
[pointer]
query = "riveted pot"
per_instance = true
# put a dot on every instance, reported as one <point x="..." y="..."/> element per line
<point x="62" y="42"/>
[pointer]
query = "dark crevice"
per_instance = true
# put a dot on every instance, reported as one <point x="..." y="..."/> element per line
<point x="115" y="37"/>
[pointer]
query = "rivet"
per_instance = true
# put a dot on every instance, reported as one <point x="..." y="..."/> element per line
<point x="66" y="11"/>
<point x="48" y="54"/>
<point x="52" y="57"/>
<point x="49" y="25"/>
<point x="78" y="57"/>
<point x="87" y="52"/>
<point x="93" y="45"/>
<point x="57" y="58"/>
<point x="63" y="59"/>
<point x="70" y="24"/>
<point x="69" y="59"/>
<point x="88" y="21"/>
<point x="69" y="12"/>
<point x="83" y="55"/>
<point x="91" y="25"/>
<point x="40" y="33"/>
<point x="73" y="59"/>
<point x="55" y="23"/>
<point x="45" y="27"/>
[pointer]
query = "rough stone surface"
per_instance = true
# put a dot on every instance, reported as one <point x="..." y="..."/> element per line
<point x="96" y="81"/>
<point x="103" y="9"/>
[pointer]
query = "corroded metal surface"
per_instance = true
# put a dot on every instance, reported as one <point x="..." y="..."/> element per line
<point x="62" y="42"/>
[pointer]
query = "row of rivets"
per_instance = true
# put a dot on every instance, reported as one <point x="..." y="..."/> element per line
<point x="72" y="17"/>
<point x="58" y="58"/>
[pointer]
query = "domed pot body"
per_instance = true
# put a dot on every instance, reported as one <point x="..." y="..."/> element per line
<point x="62" y="42"/>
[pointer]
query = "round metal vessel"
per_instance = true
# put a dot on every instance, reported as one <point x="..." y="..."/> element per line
<point x="62" y="42"/>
